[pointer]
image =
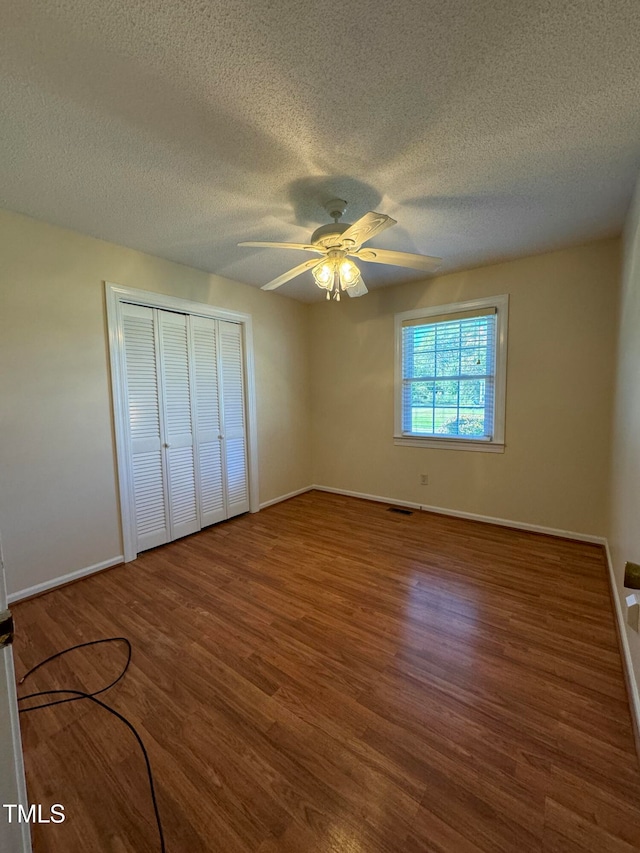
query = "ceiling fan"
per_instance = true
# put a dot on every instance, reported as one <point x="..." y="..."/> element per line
<point x="338" y="242"/>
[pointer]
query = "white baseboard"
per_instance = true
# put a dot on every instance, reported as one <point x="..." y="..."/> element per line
<point x="518" y="525"/>
<point x="281" y="498"/>
<point x="472" y="516"/>
<point x="63" y="579"/>
<point x="375" y="498"/>
<point x="627" y="663"/>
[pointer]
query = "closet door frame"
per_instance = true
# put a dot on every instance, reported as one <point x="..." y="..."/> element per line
<point x="116" y="295"/>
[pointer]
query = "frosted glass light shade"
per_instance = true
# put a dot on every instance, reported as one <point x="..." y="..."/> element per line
<point x="336" y="274"/>
<point x="323" y="274"/>
<point x="349" y="273"/>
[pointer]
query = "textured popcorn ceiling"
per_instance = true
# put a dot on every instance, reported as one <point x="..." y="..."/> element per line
<point x="487" y="129"/>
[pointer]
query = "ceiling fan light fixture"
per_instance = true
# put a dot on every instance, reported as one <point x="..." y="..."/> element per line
<point x="324" y="274"/>
<point x="349" y="274"/>
<point x="334" y="274"/>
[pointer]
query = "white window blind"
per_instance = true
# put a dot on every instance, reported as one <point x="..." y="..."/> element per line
<point x="448" y="377"/>
<point x="451" y="381"/>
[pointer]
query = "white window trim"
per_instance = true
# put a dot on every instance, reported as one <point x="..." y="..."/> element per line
<point x="496" y="445"/>
<point x="115" y="296"/>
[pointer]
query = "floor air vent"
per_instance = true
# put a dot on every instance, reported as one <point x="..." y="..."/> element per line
<point x="400" y="509"/>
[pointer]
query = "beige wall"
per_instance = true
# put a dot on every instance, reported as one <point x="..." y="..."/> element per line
<point x="58" y="492"/>
<point x="555" y="469"/>
<point x="324" y="376"/>
<point x="624" y="527"/>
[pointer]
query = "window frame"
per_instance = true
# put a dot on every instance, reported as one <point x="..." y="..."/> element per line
<point x="430" y="314"/>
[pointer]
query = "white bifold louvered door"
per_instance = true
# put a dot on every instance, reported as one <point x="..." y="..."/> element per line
<point x="208" y="421"/>
<point x="220" y="418"/>
<point x="177" y="424"/>
<point x="187" y="423"/>
<point x="143" y="410"/>
<point x="233" y="417"/>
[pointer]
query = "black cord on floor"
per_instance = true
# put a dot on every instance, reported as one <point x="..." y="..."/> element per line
<point x="75" y="695"/>
<point x="72" y="649"/>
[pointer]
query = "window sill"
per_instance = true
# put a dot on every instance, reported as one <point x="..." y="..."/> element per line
<point x="449" y="443"/>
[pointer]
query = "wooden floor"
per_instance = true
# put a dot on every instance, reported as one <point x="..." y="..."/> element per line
<point x="329" y="676"/>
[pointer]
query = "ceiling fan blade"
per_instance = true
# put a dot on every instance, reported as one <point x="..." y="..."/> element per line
<point x="287" y="276"/>
<point x="424" y="263"/>
<point x="302" y="246"/>
<point x="358" y="289"/>
<point x="365" y="228"/>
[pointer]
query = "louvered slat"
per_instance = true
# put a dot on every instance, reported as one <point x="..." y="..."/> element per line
<point x="181" y="483"/>
<point x="237" y="495"/>
<point x="144" y="417"/>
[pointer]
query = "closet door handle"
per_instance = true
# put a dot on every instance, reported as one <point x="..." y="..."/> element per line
<point x="166" y="445"/>
<point x="221" y="437"/>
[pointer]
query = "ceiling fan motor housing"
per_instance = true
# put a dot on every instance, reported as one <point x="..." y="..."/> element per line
<point x="329" y="236"/>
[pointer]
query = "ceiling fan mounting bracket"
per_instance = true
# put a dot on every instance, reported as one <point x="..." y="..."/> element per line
<point x="335" y="207"/>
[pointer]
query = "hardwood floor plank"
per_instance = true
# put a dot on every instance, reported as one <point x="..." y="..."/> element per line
<point x="328" y="676"/>
<point x="430" y="834"/>
<point x="564" y="829"/>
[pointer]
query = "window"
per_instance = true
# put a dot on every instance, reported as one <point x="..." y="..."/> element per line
<point x="451" y="374"/>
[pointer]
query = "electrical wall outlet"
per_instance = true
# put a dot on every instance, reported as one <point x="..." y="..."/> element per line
<point x="424" y="479"/>
<point x="633" y="610"/>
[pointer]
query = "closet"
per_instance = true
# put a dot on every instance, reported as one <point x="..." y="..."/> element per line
<point x="184" y="380"/>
